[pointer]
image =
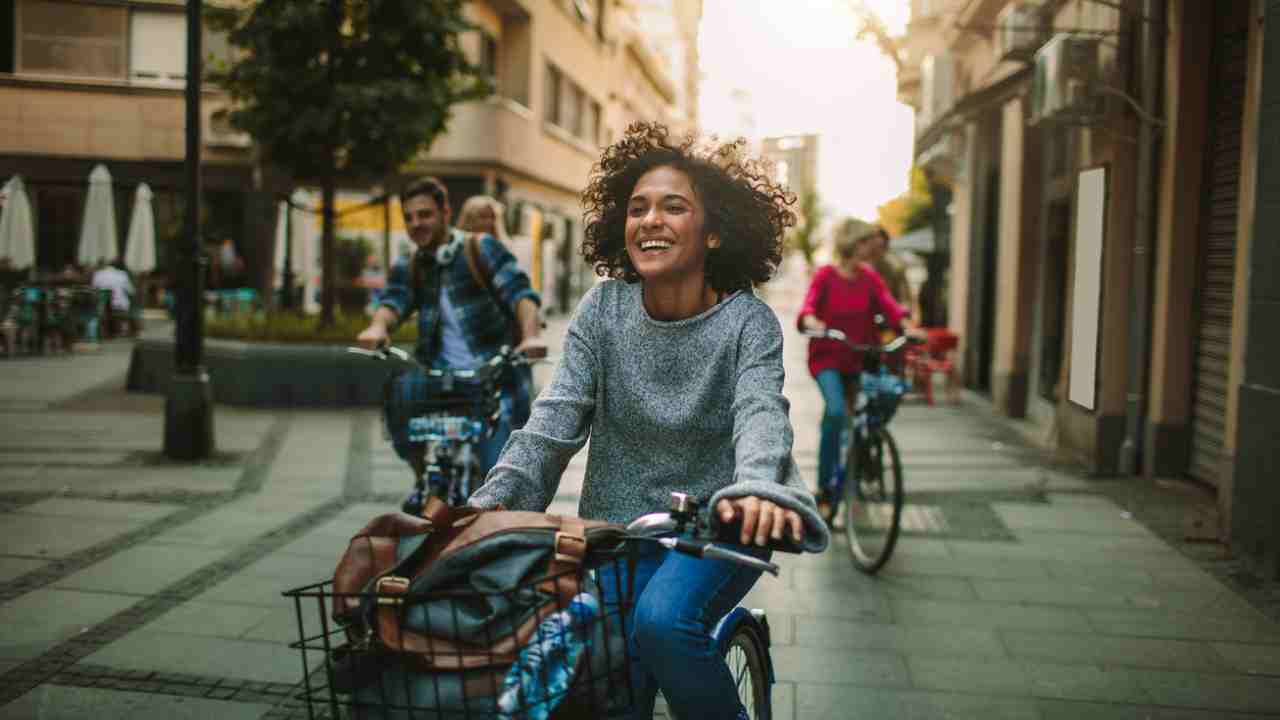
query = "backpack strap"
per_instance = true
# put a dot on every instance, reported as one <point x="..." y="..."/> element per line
<point x="471" y="249"/>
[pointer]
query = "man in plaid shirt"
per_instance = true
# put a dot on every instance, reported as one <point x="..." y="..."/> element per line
<point x="460" y="325"/>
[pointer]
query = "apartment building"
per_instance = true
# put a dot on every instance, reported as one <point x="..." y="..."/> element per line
<point x="795" y="160"/>
<point x="85" y="82"/>
<point x="1111" y="272"/>
<point x="89" y="83"/>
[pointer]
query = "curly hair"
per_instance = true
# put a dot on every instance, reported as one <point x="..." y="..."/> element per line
<point x="745" y="208"/>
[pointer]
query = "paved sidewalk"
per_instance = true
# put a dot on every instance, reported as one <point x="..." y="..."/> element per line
<point x="132" y="587"/>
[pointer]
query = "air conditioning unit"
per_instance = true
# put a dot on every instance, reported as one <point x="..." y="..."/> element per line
<point x="218" y="132"/>
<point x="1021" y="29"/>
<point x="937" y="82"/>
<point x="1064" y="82"/>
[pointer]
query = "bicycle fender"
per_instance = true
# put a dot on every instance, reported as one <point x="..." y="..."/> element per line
<point x="753" y="618"/>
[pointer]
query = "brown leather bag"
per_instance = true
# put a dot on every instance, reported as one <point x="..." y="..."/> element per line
<point x="416" y="587"/>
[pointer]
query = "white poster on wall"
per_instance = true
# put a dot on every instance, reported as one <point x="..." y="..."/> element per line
<point x="1086" y="288"/>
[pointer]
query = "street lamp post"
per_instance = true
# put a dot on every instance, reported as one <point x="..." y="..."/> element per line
<point x="188" y="409"/>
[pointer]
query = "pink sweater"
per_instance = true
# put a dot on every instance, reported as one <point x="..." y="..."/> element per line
<point x="848" y="305"/>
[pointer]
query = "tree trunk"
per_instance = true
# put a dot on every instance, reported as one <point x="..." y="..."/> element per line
<point x="328" y="268"/>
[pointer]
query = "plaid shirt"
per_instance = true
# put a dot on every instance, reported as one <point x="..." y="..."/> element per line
<point x="484" y="324"/>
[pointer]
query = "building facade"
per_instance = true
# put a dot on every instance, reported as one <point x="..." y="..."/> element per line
<point x="1113" y="269"/>
<point x="83" y="83"/>
<point x="795" y="160"/>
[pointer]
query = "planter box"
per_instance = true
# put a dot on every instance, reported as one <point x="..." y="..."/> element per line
<point x="268" y="374"/>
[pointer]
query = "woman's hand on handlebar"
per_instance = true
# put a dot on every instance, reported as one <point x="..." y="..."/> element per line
<point x="761" y="519"/>
<point x="533" y="348"/>
<point x="373" y="337"/>
<point x="813" y="324"/>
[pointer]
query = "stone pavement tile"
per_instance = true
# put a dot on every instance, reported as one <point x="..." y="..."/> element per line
<point x="1239" y="693"/>
<point x="1189" y="577"/>
<point x="807" y="664"/>
<point x="973" y="568"/>
<point x="35" y="536"/>
<point x="1120" y="550"/>
<point x="140" y="570"/>
<point x="280" y="624"/>
<point x="867" y="605"/>
<point x="301" y="570"/>
<point x="840" y="702"/>
<point x="30" y="628"/>
<point x="256" y="590"/>
<point x="53" y="457"/>
<point x="12" y="567"/>
<point x="213" y="657"/>
<point x="227" y="527"/>
<point x="924" y="587"/>
<point x="1112" y="651"/>
<point x="1075" y="710"/>
<point x="1060" y="592"/>
<point x="1209" y="600"/>
<point x="1067" y="517"/>
<point x="1251" y="659"/>
<point x="1002" y="677"/>
<point x="1030" y="480"/>
<point x="988" y="615"/>
<point x="86" y="509"/>
<point x="208" y="480"/>
<point x="782" y="628"/>
<point x="1098" y="572"/>
<point x="49" y="702"/>
<point x="210" y="619"/>
<point x="1187" y="626"/>
<point x="923" y="641"/>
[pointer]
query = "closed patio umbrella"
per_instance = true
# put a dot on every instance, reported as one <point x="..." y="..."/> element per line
<point x="98" y="241"/>
<point x="17" y="235"/>
<point x="140" y="246"/>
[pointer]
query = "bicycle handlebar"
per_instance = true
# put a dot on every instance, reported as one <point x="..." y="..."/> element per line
<point x="690" y="530"/>
<point x="506" y="356"/>
<point x="891" y="347"/>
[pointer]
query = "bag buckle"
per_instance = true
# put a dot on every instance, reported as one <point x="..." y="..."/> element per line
<point x="391" y="585"/>
<point x="573" y="555"/>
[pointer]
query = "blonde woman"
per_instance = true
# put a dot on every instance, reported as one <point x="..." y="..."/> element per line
<point x="483" y="214"/>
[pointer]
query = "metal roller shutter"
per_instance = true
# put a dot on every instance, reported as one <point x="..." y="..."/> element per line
<point x="1218" y="242"/>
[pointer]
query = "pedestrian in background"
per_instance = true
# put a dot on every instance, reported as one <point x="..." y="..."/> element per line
<point x="845" y="296"/>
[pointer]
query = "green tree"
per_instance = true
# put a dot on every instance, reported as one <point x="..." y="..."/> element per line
<point x="912" y="209"/>
<point x="803" y="238"/>
<point x="345" y="89"/>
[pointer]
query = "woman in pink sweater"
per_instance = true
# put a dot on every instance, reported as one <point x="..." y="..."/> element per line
<point x="845" y="296"/>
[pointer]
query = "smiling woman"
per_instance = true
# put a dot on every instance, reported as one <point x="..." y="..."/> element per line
<point x="673" y="368"/>
<point x="713" y="195"/>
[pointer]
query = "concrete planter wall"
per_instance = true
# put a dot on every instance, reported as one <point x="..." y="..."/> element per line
<point x="268" y="374"/>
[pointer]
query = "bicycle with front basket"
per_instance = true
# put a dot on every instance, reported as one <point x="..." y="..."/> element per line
<point x="457" y="409"/>
<point x="869" y="485"/>
<point x="388" y="689"/>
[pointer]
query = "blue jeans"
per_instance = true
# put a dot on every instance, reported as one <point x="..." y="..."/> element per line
<point x="678" y="602"/>
<point x="834" y="417"/>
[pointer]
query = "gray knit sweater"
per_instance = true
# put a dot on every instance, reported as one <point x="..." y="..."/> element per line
<point x="693" y="405"/>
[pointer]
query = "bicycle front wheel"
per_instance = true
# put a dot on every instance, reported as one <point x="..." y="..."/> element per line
<point x="873" y="499"/>
<point x="745" y="656"/>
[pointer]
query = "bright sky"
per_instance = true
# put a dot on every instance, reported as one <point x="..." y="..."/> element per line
<point x="806" y="74"/>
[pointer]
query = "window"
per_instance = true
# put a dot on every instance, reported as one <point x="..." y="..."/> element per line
<point x="158" y="47"/>
<point x="551" y="112"/>
<point x="593" y="123"/>
<point x="489" y="57"/>
<point x="571" y="119"/>
<point x="87" y="41"/>
<point x="6" y="36"/>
